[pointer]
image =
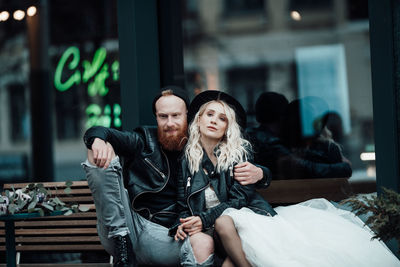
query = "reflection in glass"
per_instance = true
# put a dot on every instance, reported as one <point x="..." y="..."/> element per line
<point x="295" y="48"/>
<point x="84" y="89"/>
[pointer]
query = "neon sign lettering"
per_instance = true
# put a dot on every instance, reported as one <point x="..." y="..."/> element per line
<point x="95" y="74"/>
<point x="76" y="77"/>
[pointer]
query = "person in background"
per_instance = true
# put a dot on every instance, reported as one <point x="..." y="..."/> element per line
<point x="306" y="134"/>
<point x="267" y="145"/>
<point x="272" y="149"/>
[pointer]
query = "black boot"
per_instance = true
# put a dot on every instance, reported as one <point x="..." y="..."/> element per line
<point x="123" y="251"/>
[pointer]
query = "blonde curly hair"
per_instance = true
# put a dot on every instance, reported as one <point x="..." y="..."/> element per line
<point x="232" y="148"/>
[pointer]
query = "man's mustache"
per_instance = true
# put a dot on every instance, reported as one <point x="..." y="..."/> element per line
<point x="171" y="129"/>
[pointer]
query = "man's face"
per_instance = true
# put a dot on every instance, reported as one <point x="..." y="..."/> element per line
<point x="172" y="122"/>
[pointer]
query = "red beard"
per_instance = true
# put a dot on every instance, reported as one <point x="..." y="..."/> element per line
<point x="174" y="142"/>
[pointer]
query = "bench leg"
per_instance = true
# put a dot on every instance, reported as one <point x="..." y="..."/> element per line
<point x="18" y="257"/>
<point x="10" y="243"/>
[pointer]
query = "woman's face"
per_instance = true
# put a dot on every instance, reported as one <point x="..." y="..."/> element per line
<point x="213" y="122"/>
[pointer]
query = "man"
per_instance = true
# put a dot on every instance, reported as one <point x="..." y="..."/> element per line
<point x="136" y="219"/>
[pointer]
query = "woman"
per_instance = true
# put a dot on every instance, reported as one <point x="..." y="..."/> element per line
<point x="215" y="145"/>
<point x="301" y="235"/>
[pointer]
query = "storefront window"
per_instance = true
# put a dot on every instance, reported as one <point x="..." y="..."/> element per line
<point x="314" y="50"/>
<point x="83" y="77"/>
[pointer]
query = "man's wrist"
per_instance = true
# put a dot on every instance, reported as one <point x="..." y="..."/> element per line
<point x="261" y="174"/>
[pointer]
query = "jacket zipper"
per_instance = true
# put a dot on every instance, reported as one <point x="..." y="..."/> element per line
<point x="187" y="185"/>
<point x="162" y="175"/>
<point x="155" y="168"/>
<point x="201" y="189"/>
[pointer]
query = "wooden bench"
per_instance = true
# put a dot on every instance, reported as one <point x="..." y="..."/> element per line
<point x="77" y="232"/>
<point x="72" y="233"/>
<point x="284" y="192"/>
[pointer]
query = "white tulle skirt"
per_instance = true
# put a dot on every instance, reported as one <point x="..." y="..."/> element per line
<point x="310" y="234"/>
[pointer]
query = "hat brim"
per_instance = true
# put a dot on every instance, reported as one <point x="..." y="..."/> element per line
<point x="210" y="95"/>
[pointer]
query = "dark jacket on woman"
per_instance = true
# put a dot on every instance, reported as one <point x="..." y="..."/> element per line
<point x="230" y="193"/>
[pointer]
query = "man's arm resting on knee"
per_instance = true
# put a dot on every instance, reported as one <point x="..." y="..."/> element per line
<point x="124" y="144"/>
<point x="101" y="153"/>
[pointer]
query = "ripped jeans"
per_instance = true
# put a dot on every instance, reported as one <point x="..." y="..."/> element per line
<point x="150" y="241"/>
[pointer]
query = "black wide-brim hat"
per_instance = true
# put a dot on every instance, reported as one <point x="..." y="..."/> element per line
<point x="210" y="95"/>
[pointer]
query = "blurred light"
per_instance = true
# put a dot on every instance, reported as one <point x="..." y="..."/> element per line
<point x="19" y="15"/>
<point x="367" y="156"/>
<point x="31" y="11"/>
<point x="4" y="16"/>
<point x="295" y="15"/>
<point x="371" y="171"/>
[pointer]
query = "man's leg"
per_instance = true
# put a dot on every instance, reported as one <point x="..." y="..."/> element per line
<point x="114" y="218"/>
<point x="230" y="239"/>
<point x="150" y="241"/>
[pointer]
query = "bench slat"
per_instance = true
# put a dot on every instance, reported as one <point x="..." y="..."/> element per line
<point x="77" y="248"/>
<point x="45" y="239"/>
<point x="47" y="184"/>
<point x="62" y="265"/>
<point x="80" y="199"/>
<point x="298" y="190"/>
<point x="72" y="217"/>
<point x="60" y="231"/>
<point x="89" y="214"/>
<point x="80" y="191"/>
<point x="68" y="223"/>
<point x="74" y="191"/>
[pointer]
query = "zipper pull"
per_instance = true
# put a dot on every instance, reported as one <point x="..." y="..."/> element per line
<point x="231" y="171"/>
<point x="188" y="182"/>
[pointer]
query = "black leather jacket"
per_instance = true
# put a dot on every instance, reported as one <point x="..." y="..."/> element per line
<point x="191" y="196"/>
<point x="146" y="168"/>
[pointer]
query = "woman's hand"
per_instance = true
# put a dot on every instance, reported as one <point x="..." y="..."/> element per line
<point x="180" y="234"/>
<point x="192" y="225"/>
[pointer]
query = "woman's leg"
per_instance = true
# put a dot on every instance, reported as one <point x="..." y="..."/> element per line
<point x="231" y="241"/>
<point x="228" y="263"/>
<point x="202" y="245"/>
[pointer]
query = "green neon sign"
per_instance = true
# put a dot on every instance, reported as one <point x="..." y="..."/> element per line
<point x="95" y="73"/>
<point x="76" y="77"/>
<point x="98" y="117"/>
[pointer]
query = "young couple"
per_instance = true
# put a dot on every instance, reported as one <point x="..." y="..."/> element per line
<point x="210" y="184"/>
<point x="137" y="204"/>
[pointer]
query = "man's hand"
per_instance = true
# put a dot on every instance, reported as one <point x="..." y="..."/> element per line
<point x="192" y="225"/>
<point x="180" y="234"/>
<point x="103" y="153"/>
<point x="246" y="173"/>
